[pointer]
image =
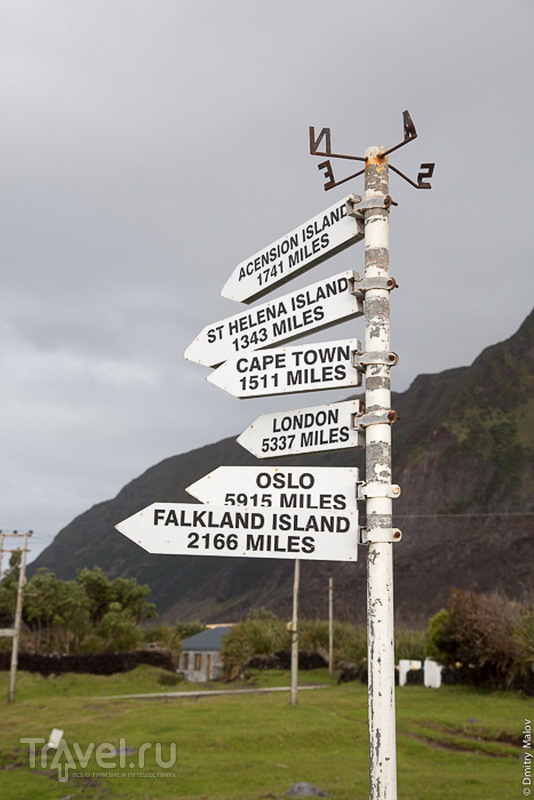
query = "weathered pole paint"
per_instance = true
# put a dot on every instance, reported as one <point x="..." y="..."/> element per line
<point x="381" y="656"/>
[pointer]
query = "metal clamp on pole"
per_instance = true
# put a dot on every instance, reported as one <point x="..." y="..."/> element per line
<point x="382" y="416"/>
<point x="362" y="360"/>
<point x="356" y="206"/>
<point x="362" y="285"/>
<point x="370" y="535"/>
<point x="377" y="489"/>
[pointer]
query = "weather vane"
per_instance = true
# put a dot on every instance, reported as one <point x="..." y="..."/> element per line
<point x="426" y="170"/>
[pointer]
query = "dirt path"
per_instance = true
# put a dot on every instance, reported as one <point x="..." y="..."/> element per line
<point x="205" y="693"/>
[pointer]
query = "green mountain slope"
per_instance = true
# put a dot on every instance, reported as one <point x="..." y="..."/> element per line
<point x="463" y="454"/>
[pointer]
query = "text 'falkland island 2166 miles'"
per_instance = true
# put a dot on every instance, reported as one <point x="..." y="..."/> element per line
<point x="190" y="529"/>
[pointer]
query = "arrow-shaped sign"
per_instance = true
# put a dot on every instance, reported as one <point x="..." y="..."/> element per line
<point x="286" y="370"/>
<point x="288" y="317"/>
<point x="312" y="488"/>
<point x="197" y="530"/>
<point x="307" y="430"/>
<point x="314" y="241"/>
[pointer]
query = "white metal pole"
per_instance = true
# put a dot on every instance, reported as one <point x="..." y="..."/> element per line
<point x="295" y="636"/>
<point x="380" y="631"/>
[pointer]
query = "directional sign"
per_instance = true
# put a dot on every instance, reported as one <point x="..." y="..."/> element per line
<point x="196" y="530"/>
<point x="286" y="370"/>
<point x="308" y="430"/>
<point x="312" y="242"/>
<point x="288" y="317"/>
<point x="311" y="488"/>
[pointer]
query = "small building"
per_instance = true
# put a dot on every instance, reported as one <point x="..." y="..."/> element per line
<point x="406" y="665"/>
<point x="200" y="656"/>
<point x="432" y="674"/>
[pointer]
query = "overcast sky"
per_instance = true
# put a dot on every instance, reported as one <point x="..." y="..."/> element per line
<point x="148" y="146"/>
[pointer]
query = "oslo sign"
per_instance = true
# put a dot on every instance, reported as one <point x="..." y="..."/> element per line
<point x="311" y="488"/>
<point x="308" y="430"/>
<point x="196" y="530"/>
<point x="314" y="241"/>
<point x="313" y="308"/>
<point x="301" y="368"/>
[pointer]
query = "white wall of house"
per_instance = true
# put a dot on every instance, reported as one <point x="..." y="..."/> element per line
<point x="200" y="666"/>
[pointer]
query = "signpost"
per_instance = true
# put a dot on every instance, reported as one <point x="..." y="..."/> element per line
<point x="189" y="529"/>
<point x="319" y="238"/>
<point x="286" y="370"/>
<point x="378" y="489"/>
<point x="288" y="317"/>
<point x="313" y="488"/>
<point x="306" y="430"/>
<point x="305" y="513"/>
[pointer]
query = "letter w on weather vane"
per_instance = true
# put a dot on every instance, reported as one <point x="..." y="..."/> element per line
<point x="426" y="170"/>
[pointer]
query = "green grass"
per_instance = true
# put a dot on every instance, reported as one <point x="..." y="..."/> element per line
<point x="453" y="743"/>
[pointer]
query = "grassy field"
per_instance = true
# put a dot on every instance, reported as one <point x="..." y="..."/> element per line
<point x="453" y="743"/>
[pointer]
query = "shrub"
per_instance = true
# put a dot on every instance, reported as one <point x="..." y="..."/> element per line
<point x="184" y="630"/>
<point x="410" y="643"/>
<point x="262" y="634"/>
<point x="487" y="633"/>
<point x="236" y="651"/>
<point x="168" y="679"/>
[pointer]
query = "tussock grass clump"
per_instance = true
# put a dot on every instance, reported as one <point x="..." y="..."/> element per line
<point x="263" y="634"/>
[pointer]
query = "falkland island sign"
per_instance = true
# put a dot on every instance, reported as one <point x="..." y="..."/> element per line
<point x="314" y="241"/>
<point x="194" y="529"/>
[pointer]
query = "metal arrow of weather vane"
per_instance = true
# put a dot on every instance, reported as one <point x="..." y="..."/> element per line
<point x="426" y="170"/>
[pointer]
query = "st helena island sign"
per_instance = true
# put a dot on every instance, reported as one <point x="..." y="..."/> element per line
<point x="291" y="316"/>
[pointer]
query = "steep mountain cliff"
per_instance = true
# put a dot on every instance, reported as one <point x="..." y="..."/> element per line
<point x="463" y="453"/>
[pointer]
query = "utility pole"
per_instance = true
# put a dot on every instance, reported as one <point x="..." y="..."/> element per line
<point x="295" y="636"/>
<point x="330" y="626"/>
<point x="2" y="535"/>
<point x="14" y="632"/>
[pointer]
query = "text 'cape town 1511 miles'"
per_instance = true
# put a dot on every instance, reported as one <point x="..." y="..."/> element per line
<point x="288" y="370"/>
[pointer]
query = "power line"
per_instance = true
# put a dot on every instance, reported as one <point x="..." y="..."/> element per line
<point x="456" y="516"/>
